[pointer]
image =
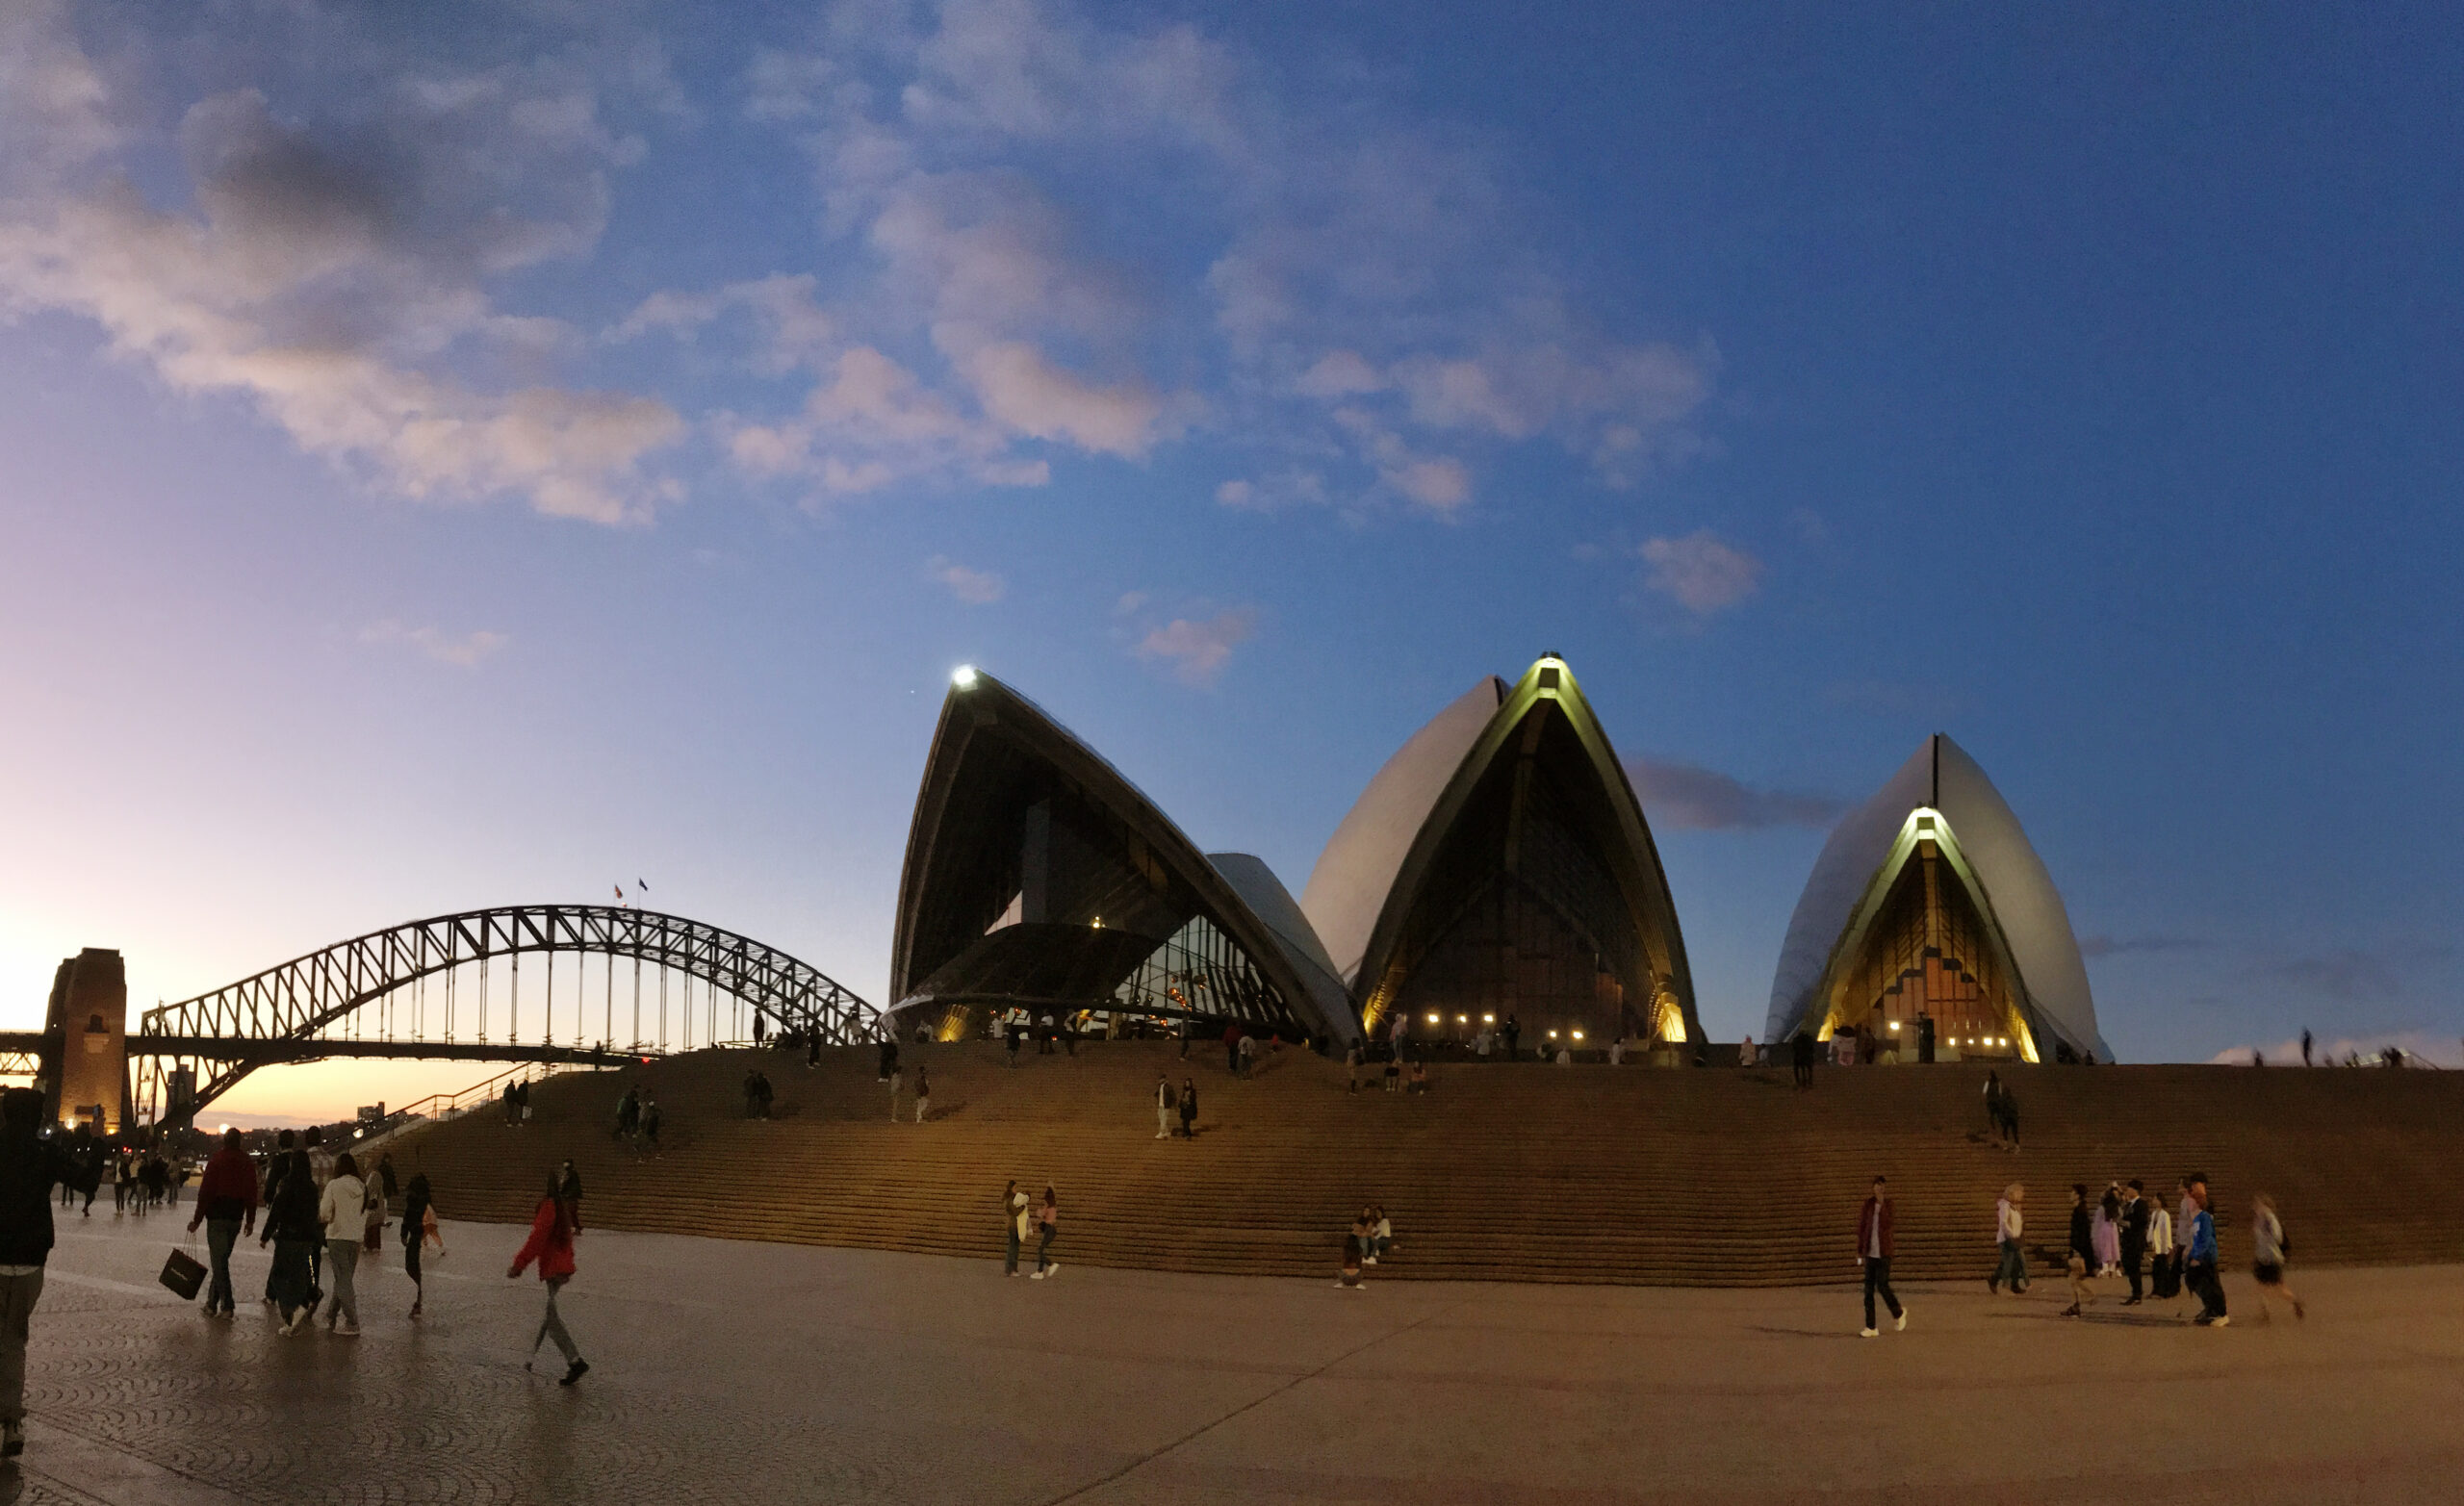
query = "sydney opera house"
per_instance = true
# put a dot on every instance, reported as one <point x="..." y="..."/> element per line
<point x="1497" y="869"/>
<point x="1497" y="873"/>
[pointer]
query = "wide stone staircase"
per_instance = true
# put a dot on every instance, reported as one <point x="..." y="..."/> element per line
<point x="1508" y="1172"/>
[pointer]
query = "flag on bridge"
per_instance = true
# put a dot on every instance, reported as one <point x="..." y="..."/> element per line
<point x="620" y="894"/>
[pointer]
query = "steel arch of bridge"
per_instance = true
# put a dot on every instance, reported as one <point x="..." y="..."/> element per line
<point x="299" y="998"/>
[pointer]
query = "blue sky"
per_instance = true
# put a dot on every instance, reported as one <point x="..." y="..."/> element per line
<point x="490" y="457"/>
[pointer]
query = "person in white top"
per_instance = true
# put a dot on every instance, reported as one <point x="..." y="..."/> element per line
<point x="2008" y="1225"/>
<point x="342" y="1209"/>
<point x="2267" y="1258"/>
<point x="1745" y="1051"/>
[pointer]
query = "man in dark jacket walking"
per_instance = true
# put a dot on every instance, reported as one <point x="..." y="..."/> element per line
<point x="28" y="1168"/>
<point x="2136" y="1209"/>
<point x="1874" y="1252"/>
<point x="227" y="1204"/>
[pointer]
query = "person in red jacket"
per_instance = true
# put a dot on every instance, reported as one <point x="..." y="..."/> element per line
<point x="1873" y="1252"/>
<point x="552" y="1245"/>
<point x="226" y="1203"/>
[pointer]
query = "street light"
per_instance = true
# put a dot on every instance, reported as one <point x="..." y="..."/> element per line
<point x="963" y="676"/>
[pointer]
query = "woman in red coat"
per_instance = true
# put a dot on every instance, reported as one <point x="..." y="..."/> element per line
<point x="552" y="1245"/>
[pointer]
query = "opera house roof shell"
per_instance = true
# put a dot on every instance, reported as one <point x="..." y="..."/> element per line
<point x="1511" y="791"/>
<point x="1039" y="878"/>
<point x="1940" y="802"/>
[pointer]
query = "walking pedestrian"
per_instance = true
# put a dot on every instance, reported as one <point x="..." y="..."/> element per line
<point x="2082" y="1255"/>
<point x="1801" y="1060"/>
<point x="1994" y="1105"/>
<point x="2198" y="1268"/>
<point x="1745" y="1051"/>
<point x="897" y="1081"/>
<point x="29" y="1165"/>
<point x="293" y="1228"/>
<point x="889" y="1058"/>
<point x="2106" y="1234"/>
<point x="1164" y="1106"/>
<point x="552" y="1244"/>
<point x="751" y="1094"/>
<point x="1395" y="1073"/>
<point x="1351" y="1068"/>
<point x="652" y="1119"/>
<point x="1047" y="1222"/>
<point x="2305" y="1047"/>
<point x="2136" y="1208"/>
<point x="277" y="1166"/>
<point x="1513" y="1039"/>
<point x="2010" y="1120"/>
<point x="385" y="1178"/>
<point x="1874" y="1251"/>
<point x="419" y="1214"/>
<point x="2268" y="1250"/>
<point x="1013" y="1224"/>
<point x="2008" y="1225"/>
<point x="2184" y="1224"/>
<point x="1015" y="1033"/>
<point x="1189" y="1108"/>
<point x="923" y="1094"/>
<point x="227" y="1204"/>
<point x="343" y="1212"/>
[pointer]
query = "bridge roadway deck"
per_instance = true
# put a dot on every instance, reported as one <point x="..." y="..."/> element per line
<point x="271" y="1049"/>
<point x="727" y="1371"/>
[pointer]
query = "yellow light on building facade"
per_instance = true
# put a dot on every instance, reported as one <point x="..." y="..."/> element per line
<point x="1432" y="1016"/>
<point x="1578" y="1035"/>
<point x="1488" y="1019"/>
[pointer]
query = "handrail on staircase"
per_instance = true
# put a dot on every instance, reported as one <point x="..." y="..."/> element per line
<point x="451" y="1106"/>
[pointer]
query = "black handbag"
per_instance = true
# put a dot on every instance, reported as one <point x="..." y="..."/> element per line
<point x="182" y="1273"/>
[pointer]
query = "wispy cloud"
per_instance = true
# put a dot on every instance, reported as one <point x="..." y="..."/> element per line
<point x="1687" y="796"/>
<point x="1700" y="572"/>
<point x="335" y="275"/>
<point x="1197" y="650"/>
<point x="975" y="587"/>
<point x="1375" y="313"/>
<point x="465" y="650"/>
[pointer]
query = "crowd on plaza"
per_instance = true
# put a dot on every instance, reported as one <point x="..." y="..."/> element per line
<point x="321" y="1213"/>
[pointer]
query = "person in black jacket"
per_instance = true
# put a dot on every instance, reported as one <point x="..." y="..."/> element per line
<point x="30" y="1166"/>
<point x="2135" y="1211"/>
<point x="2083" y="1250"/>
<point x="293" y="1228"/>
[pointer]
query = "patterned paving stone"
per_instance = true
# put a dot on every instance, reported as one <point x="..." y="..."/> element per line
<point x="737" y="1372"/>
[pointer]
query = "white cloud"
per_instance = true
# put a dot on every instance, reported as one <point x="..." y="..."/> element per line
<point x="872" y="423"/>
<point x="337" y="279"/>
<point x="974" y="587"/>
<point x="792" y="329"/>
<point x="1356" y="259"/>
<point x="1340" y="373"/>
<point x="1022" y="389"/>
<point x="465" y="651"/>
<point x="1196" y="651"/>
<point x="1702" y="573"/>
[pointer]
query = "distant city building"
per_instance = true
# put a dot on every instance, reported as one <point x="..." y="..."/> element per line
<point x="1929" y="905"/>
<point x="1500" y="863"/>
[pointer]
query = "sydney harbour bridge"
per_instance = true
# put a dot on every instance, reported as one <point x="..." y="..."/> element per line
<point x="567" y="985"/>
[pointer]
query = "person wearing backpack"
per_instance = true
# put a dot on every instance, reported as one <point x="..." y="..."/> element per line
<point x="2269" y="1247"/>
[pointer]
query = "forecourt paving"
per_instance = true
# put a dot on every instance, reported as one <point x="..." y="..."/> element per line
<point x="729" y="1372"/>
